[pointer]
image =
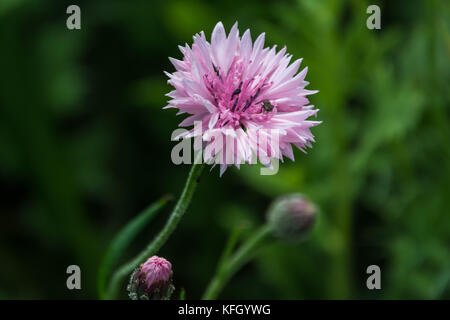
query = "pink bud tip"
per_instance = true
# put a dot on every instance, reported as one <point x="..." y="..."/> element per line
<point x="152" y="280"/>
<point x="156" y="269"/>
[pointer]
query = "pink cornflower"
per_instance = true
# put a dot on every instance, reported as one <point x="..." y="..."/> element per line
<point x="242" y="94"/>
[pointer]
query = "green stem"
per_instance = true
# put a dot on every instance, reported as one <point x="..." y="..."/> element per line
<point x="242" y="256"/>
<point x="163" y="235"/>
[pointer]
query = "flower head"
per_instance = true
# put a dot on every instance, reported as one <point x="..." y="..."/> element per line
<point x="152" y="280"/>
<point x="250" y="100"/>
<point x="292" y="217"/>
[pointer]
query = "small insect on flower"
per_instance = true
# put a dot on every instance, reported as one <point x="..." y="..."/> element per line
<point x="249" y="98"/>
<point x="267" y="106"/>
<point x="152" y="280"/>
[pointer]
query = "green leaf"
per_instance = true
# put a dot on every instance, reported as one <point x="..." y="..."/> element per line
<point x="123" y="239"/>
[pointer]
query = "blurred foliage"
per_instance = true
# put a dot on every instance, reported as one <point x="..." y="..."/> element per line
<point x="84" y="146"/>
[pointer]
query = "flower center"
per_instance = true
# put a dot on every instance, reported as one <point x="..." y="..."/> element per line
<point x="237" y="96"/>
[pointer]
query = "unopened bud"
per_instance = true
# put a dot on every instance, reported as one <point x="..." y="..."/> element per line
<point x="152" y="280"/>
<point x="292" y="217"/>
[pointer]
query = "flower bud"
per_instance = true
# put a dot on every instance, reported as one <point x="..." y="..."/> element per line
<point x="152" y="280"/>
<point x="292" y="217"/>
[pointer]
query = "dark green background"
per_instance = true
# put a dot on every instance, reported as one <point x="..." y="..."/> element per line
<point x="85" y="145"/>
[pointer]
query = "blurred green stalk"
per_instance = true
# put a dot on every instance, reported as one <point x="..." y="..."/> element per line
<point x="228" y="267"/>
